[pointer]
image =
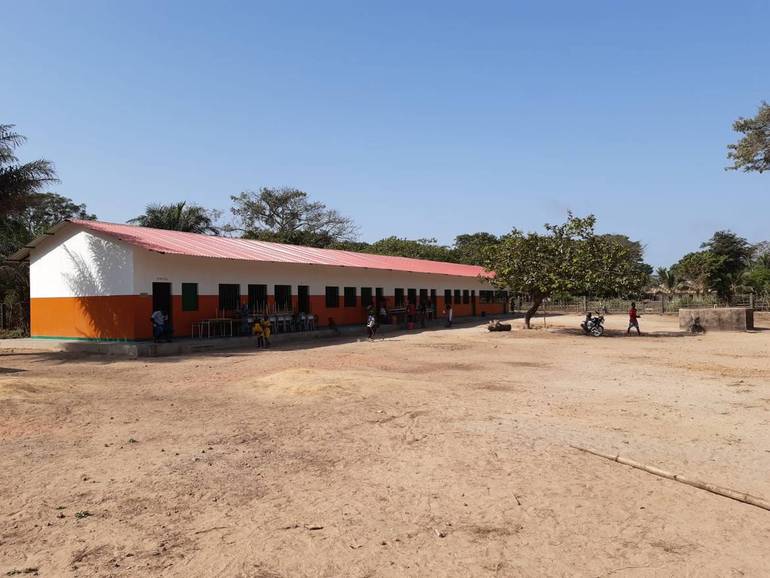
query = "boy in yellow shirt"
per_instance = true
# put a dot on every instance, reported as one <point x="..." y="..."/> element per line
<point x="258" y="333"/>
<point x="266" y="329"/>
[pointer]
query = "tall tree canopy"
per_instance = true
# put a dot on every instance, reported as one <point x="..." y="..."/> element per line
<point x="719" y="266"/>
<point x="287" y="215"/>
<point x="42" y="211"/>
<point x="752" y="151"/>
<point x="20" y="225"/>
<point x="698" y="270"/>
<point x="472" y="248"/>
<point x="414" y="248"/>
<point x="19" y="180"/>
<point x="735" y="251"/>
<point x="568" y="259"/>
<point x="179" y="217"/>
<point x="667" y="280"/>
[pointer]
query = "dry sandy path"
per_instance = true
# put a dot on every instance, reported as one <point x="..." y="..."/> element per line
<point x="444" y="453"/>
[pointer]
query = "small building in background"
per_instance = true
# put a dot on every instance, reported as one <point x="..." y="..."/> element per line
<point x="96" y="280"/>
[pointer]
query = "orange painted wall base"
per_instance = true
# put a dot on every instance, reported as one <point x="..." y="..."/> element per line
<point x="127" y="317"/>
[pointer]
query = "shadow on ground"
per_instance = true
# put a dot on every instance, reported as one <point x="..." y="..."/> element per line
<point x="622" y="333"/>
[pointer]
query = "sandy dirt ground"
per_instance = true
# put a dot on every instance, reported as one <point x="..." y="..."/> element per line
<point x="441" y="453"/>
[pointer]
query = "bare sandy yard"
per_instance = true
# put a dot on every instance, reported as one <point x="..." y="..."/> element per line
<point x="443" y="453"/>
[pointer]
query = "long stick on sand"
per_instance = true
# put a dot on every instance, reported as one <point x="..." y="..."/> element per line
<point x="726" y="492"/>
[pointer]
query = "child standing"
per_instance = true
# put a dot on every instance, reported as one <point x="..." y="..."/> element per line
<point x="266" y="330"/>
<point x="633" y="320"/>
<point x="371" y="325"/>
<point x="259" y="334"/>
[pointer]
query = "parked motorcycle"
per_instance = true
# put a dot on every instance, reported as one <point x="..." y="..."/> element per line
<point x="593" y="325"/>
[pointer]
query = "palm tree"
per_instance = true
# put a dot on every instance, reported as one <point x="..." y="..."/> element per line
<point x="18" y="181"/>
<point x="178" y="217"/>
<point x="668" y="281"/>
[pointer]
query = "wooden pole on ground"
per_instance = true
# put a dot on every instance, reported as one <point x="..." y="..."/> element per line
<point x="719" y="490"/>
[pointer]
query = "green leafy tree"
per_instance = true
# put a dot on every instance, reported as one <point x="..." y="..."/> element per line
<point x="635" y="254"/>
<point x="18" y="181"/>
<point x="699" y="270"/>
<point x="719" y="266"/>
<point x="414" y="248"/>
<point x="667" y="280"/>
<point x="19" y="226"/>
<point x="569" y="259"/>
<point x="734" y="254"/>
<point x="472" y="248"/>
<point x="43" y="211"/>
<point x="752" y="152"/>
<point x="757" y="276"/>
<point x="179" y="217"/>
<point x="288" y="215"/>
<point x="762" y="254"/>
<point x="735" y="251"/>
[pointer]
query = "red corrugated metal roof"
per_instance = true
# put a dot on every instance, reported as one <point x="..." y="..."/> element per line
<point x="196" y="245"/>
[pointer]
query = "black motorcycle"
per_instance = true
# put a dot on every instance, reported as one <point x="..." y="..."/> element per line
<point x="593" y="325"/>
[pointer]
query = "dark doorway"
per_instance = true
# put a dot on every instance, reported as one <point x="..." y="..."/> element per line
<point x="161" y="299"/>
<point x="303" y="298"/>
<point x="473" y="302"/>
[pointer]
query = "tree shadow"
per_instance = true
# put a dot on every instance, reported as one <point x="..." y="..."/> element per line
<point x="109" y="314"/>
<point x="348" y="334"/>
<point x="622" y="333"/>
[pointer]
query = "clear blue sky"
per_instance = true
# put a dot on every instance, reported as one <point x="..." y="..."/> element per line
<point x="418" y="119"/>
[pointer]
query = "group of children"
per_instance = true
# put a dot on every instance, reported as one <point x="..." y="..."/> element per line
<point x="262" y="330"/>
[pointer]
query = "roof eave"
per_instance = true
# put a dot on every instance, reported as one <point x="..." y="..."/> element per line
<point x="23" y="254"/>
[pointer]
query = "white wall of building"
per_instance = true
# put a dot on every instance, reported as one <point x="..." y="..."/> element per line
<point x="76" y="263"/>
<point x="209" y="273"/>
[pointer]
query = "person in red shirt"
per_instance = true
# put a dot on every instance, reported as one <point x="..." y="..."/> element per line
<point x="633" y="319"/>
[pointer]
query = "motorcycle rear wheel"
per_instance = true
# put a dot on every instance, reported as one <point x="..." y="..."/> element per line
<point x="597" y="330"/>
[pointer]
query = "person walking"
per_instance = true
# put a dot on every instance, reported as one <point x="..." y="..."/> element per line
<point x="633" y="319"/>
<point x="448" y="312"/>
<point x="159" y="320"/>
<point x="371" y="324"/>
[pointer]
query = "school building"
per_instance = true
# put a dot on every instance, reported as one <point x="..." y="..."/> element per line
<point x="96" y="280"/>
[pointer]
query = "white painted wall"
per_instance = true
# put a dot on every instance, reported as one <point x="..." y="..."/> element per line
<point x="76" y="263"/>
<point x="209" y="273"/>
